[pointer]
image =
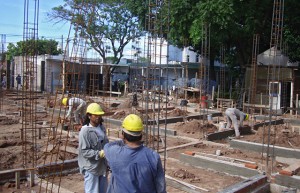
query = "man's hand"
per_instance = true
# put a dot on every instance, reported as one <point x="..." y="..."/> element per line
<point x="101" y="154"/>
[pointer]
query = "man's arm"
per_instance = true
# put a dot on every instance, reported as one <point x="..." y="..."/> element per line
<point x="69" y="111"/>
<point x="160" y="181"/>
<point x="242" y="117"/>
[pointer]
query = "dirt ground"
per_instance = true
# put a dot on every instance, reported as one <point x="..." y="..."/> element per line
<point x="11" y="147"/>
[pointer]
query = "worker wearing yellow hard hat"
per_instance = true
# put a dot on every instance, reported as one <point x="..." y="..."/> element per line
<point x="133" y="125"/>
<point x="232" y="116"/>
<point x="130" y="161"/>
<point x="92" y="138"/>
<point x="64" y="101"/>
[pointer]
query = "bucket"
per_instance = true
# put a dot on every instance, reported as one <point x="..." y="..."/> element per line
<point x="222" y="126"/>
<point x="66" y="127"/>
<point x="209" y="118"/>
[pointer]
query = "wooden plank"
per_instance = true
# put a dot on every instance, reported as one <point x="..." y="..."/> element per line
<point x="108" y="92"/>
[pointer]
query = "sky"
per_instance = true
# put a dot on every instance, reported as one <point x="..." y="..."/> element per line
<point x="12" y="19"/>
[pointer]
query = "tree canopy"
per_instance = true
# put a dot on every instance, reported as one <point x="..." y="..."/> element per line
<point x="232" y="25"/>
<point x="106" y="24"/>
<point x="32" y="47"/>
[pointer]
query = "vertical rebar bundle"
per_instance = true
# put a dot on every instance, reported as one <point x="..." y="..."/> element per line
<point x="29" y="89"/>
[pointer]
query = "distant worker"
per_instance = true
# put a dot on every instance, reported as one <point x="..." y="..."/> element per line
<point x="4" y="80"/>
<point x="19" y="81"/>
<point x="134" y="167"/>
<point x="91" y="161"/>
<point x="76" y="106"/>
<point x="232" y="117"/>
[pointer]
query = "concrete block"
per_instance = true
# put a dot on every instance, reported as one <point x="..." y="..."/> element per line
<point x="252" y="166"/>
<point x="286" y="173"/>
<point x="189" y="153"/>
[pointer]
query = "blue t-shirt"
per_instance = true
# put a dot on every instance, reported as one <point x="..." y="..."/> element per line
<point x="134" y="170"/>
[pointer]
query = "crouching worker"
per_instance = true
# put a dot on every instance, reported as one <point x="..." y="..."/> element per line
<point x="134" y="167"/>
<point x="76" y="106"/>
<point x="232" y="117"/>
<point x="92" y="138"/>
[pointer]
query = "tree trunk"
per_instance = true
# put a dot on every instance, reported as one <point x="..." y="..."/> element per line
<point x="106" y="77"/>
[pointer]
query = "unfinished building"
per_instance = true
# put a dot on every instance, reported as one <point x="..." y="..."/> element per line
<point x="38" y="148"/>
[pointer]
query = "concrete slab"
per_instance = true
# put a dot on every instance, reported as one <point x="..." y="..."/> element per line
<point x="218" y="165"/>
<point x="287" y="181"/>
<point x="257" y="147"/>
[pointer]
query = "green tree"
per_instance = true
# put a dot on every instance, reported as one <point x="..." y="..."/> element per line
<point x="105" y="23"/>
<point x="33" y="47"/>
<point x="292" y="29"/>
<point x="232" y="24"/>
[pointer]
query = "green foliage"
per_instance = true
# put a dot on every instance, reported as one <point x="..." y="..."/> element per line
<point x="292" y="29"/>
<point x="105" y="23"/>
<point x="33" y="47"/>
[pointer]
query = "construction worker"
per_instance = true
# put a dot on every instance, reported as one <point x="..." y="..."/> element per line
<point x="76" y="106"/>
<point x="19" y="79"/>
<point x="232" y="117"/>
<point x="134" y="167"/>
<point x="92" y="138"/>
<point x="4" y="79"/>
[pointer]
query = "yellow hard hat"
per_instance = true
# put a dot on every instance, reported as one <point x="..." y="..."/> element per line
<point x="94" y="109"/>
<point x="246" y="117"/>
<point x="133" y="125"/>
<point x="64" y="101"/>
